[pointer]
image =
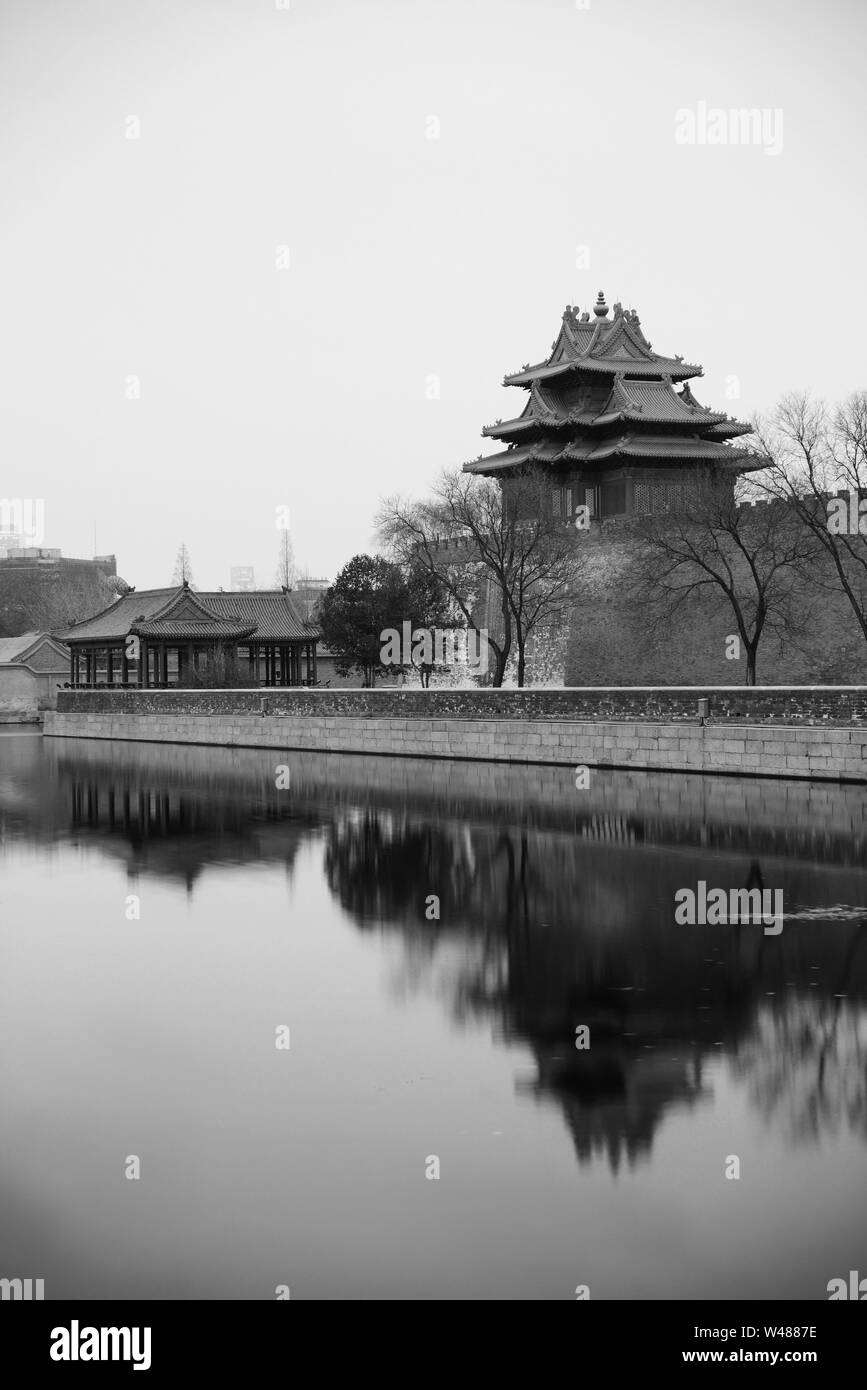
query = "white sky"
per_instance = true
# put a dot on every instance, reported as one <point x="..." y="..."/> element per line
<point x="306" y="387"/>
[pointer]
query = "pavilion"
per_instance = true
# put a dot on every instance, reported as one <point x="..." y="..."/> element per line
<point x="604" y="420"/>
<point x="159" y="638"/>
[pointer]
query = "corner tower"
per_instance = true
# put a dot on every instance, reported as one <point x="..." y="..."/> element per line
<point x="605" y="418"/>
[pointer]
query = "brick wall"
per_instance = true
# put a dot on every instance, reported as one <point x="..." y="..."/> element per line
<point x="611" y="642"/>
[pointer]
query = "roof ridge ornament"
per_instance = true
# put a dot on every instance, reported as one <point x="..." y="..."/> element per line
<point x="600" y="308"/>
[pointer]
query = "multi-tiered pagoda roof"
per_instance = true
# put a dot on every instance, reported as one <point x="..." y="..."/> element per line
<point x="604" y="400"/>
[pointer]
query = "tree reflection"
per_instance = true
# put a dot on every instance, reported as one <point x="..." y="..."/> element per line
<point x="554" y="933"/>
<point x="805" y="1060"/>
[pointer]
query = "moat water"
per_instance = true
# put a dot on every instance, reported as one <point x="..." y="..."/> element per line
<point x="168" y="914"/>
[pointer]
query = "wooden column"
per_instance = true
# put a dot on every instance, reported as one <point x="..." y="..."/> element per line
<point x="109" y="667"/>
<point x="143" y="658"/>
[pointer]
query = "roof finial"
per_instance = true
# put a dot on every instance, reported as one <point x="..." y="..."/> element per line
<point x="600" y="308"/>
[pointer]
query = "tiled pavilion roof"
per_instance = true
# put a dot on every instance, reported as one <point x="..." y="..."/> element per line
<point x="181" y="614"/>
<point x="604" y="394"/>
<point x="595" y="343"/>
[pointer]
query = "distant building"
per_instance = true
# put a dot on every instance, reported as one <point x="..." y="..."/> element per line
<point x="31" y="668"/>
<point x="32" y="557"/>
<point x="106" y="564"/>
<point x="307" y="592"/>
<point x="242" y="579"/>
<point x="10" y="544"/>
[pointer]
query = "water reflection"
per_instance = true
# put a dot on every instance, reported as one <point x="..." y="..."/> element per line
<point x="560" y="905"/>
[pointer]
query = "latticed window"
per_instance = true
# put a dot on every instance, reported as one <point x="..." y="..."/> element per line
<point x="652" y="499"/>
<point x="561" y="502"/>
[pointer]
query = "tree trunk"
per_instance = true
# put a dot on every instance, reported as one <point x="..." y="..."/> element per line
<point x="751" y="666"/>
<point x="521" y="662"/>
<point x="506" y="645"/>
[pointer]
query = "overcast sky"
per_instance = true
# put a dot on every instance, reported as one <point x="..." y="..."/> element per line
<point x="410" y="258"/>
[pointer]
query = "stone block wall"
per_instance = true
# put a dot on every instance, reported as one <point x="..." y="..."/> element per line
<point x="811" y="749"/>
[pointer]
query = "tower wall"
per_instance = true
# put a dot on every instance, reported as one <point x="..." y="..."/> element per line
<point x="610" y="641"/>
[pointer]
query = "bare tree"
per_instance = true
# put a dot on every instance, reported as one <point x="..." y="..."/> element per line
<point x="756" y="556"/>
<point x="305" y="597"/>
<point x="183" y="571"/>
<point x="473" y="533"/>
<point x="287" y="574"/>
<point x="812" y="451"/>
